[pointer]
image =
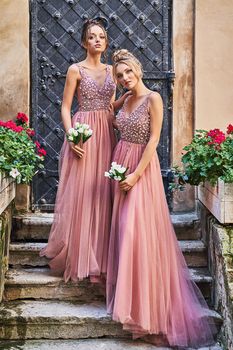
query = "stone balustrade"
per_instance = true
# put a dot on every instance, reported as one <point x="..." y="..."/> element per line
<point x="7" y="195"/>
<point x="219" y="240"/>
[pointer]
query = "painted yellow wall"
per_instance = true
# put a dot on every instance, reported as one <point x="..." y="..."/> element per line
<point x="14" y="58"/>
<point x="213" y="63"/>
<point x="15" y="70"/>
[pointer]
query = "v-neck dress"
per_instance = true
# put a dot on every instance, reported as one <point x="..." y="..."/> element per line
<point x="79" y="237"/>
<point x="149" y="288"/>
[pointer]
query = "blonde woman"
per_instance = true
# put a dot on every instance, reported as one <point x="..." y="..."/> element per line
<point x="149" y="289"/>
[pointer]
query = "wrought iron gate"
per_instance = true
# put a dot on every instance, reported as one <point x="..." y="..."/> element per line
<point x="141" y="26"/>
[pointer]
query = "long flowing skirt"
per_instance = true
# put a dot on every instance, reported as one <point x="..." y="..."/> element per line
<point x="79" y="237"/>
<point x="149" y="288"/>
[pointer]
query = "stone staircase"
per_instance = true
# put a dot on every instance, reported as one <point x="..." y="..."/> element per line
<point x="40" y="311"/>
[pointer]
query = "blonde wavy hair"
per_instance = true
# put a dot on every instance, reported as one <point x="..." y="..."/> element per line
<point x="126" y="57"/>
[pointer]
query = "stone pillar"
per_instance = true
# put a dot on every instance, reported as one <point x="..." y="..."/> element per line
<point x="15" y="67"/>
<point x="183" y="107"/>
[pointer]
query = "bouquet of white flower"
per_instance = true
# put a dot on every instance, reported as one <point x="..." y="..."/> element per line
<point x="117" y="172"/>
<point x="79" y="132"/>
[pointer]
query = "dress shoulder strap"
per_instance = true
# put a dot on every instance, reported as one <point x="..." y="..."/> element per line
<point x="81" y="70"/>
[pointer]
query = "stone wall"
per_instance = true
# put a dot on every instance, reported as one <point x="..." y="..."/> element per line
<point x="7" y="194"/>
<point x="219" y="239"/>
<point x="5" y="231"/>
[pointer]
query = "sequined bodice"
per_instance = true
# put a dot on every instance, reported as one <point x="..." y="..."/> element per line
<point x="91" y="96"/>
<point x="135" y="127"/>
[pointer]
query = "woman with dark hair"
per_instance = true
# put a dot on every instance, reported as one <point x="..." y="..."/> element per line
<point x="149" y="288"/>
<point x="79" y="237"/>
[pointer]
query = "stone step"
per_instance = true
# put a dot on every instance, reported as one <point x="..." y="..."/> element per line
<point x="87" y="344"/>
<point x="59" y="319"/>
<point x="40" y="283"/>
<point x="28" y="253"/>
<point x="36" y="226"/>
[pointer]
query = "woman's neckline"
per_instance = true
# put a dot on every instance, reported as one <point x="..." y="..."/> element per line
<point x="94" y="80"/>
<point x="139" y="105"/>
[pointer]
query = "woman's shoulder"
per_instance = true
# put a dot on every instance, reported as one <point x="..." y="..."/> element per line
<point x="154" y="97"/>
<point x="74" y="70"/>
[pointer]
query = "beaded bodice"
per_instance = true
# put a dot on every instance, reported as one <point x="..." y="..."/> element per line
<point x="135" y="127"/>
<point x="91" y="96"/>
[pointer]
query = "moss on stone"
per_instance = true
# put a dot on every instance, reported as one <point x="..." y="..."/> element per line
<point x="5" y="230"/>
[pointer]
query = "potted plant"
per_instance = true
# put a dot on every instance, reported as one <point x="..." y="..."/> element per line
<point x="20" y="156"/>
<point x="208" y="164"/>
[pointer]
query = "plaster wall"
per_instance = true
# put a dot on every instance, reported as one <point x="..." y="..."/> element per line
<point x="213" y="63"/>
<point x="14" y="58"/>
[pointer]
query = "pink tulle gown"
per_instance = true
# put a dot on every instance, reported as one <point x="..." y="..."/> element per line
<point x="149" y="289"/>
<point x="79" y="237"/>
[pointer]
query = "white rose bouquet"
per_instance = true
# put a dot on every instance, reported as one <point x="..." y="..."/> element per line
<point x="117" y="172"/>
<point x="80" y="132"/>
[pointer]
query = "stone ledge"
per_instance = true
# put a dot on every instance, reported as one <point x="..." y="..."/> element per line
<point x="7" y="191"/>
<point x="36" y="226"/>
<point x="27" y="253"/>
<point x="59" y="319"/>
<point x="41" y="283"/>
<point x="87" y="344"/>
<point x="5" y="231"/>
<point x="219" y="240"/>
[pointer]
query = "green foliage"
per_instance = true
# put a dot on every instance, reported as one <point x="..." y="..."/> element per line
<point x="19" y="156"/>
<point x="208" y="157"/>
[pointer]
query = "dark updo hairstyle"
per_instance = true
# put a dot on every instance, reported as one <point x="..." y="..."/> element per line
<point x="97" y="21"/>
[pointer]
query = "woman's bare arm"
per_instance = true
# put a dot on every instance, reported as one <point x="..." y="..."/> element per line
<point x="72" y="79"/>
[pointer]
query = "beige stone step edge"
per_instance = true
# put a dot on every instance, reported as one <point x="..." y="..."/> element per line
<point x="40" y="283"/>
<point x="59" y="319"/>
<point x="36" y="226"/>
<point x="185" y="245"/>
<point x="87" y="344"/>
<point x="27" y="253"/>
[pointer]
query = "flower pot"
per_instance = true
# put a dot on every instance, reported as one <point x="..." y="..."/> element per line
<point x="218" y="200"/>
<point x="22" y="198"/>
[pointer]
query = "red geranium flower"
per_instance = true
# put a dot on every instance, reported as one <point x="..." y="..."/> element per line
<point x="42" y="152"/>
<point x="37" y="144"/>
<point x="18" y="129"/>
<point x="30" y="132"/>
<point x="11" y="125"/>
<point x="22" y="118"/>
<point x="217" y="136"/>
<point x="230" y="129"/>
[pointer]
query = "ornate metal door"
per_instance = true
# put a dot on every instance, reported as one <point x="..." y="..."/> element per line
<point x="141" y="26"/>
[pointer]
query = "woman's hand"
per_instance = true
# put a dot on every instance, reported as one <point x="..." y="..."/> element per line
<point x="129" y="182"/>
<point x="126" y="94"/>
<point x="111" y="109"/>
<point x="77" y="149"/>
